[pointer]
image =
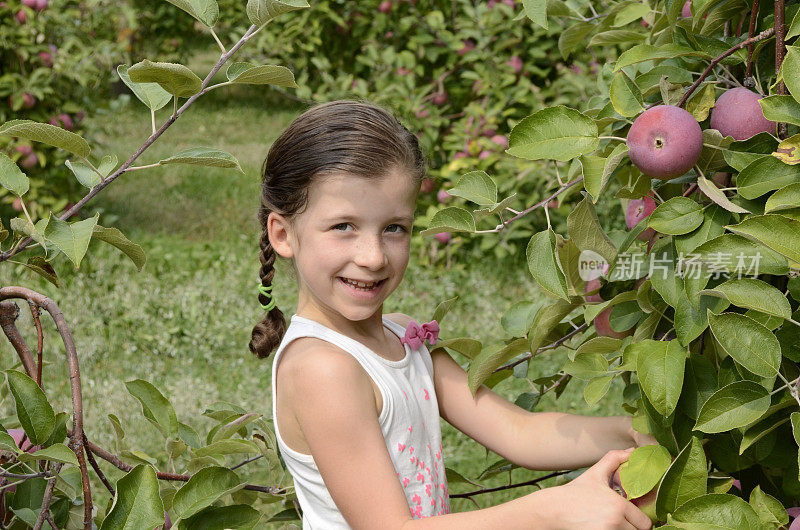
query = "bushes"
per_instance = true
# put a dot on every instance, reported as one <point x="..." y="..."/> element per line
<point x="52" y="73"/>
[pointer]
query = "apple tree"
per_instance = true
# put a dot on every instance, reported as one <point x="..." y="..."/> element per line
<point x="694" y="306"/>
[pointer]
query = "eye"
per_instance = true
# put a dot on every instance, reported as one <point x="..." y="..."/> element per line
<point x="402" y="228"/>
<point x="335" y="227"/>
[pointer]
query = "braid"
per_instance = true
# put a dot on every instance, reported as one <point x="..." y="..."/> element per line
<point x="267" y="334"/>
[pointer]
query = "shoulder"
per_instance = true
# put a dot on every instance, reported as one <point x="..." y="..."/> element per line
<point x="314" y="365"/>
<point x="399" y="318"/>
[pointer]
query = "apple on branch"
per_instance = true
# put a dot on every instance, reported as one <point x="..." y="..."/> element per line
<point x="664" y="142"/>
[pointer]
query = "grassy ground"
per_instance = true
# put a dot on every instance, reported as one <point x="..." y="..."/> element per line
<point x="184" y="322"/>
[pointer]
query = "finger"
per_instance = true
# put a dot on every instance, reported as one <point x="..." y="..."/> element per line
<point x="606" y="466"/>
<point x="637" y="517"/>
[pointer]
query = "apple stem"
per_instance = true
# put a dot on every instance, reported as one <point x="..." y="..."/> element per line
<point x="219" y="43"/>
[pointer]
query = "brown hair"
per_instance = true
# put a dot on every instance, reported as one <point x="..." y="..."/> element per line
<point x="343" y="136"/>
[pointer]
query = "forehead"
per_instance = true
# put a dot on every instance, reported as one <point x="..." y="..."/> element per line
<point x="393" y="194"/>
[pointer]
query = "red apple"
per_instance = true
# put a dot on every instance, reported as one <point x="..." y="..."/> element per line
<point x="639" y="209"/>
<point x="66" y="121"/>
<point x="664" y="142"/>
<point x="553" y="204"/>
<point x="41" y="5"/>
<point x="590" y="286"/>
<point x="500" y="140"/>
<point x="443" y="237"/>
<point x="421" y="113"/>
<point x="439" y="98"/>
<point x="54" y="121"/>
<point x="17" y="204"/>
<point x="602" y="324"/>
<point x="515" y="63"/>
<point x="426" y="186"/>
<point x="30" y="161"/>
<point x="24" y="150"/>
<point x="385" y="6"/>
<point x="46" y="58"/>
<point x="722" y="180"/>
<point x="389" y="34"/>
<point x="29" y="3"/>
<point x="443" y="197"/>
<point x="484" y="154"/>
<point x="686" y="12"/>
<point x="737" y="113"/>
<point x="21" y="16"/>
<point x="461" y="154"/>
<point x="28" y="101"/>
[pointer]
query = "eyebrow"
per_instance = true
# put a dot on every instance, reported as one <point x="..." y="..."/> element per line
<point x="346" y="217"/>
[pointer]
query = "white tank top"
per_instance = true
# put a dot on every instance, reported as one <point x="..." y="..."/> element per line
<point x="409" y="421"/>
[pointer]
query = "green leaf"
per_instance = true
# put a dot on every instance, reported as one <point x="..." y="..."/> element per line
<point x="781" y="108"/>
<point x="759" y="430"/>
<point x="517" y="319"/>
<point x="137" y="503"/>
<point x="625" y="95"/>
<point x="47" y="134"/>
<point x="544" y="322"/>
<point x="107" y="164"/>
<point x="676" y="216"/>
<point x="616" y="36"/>
<point x="717" y="195"/>
<point x="558" y="133"/>
<point x="785" y="198"/>
<point x="228" y="447"/>
<point x="596" y="388"/>
<point x="262" y="11"/>
<point x="753" y="293"/>
<point x="691" y="313"/>
<point x="240" y="516"/>
<point x="714" y="221"/>
<point x="660" y="367"/>
<point x="619" y="153"/>
<point x="587" y="366"/>
<point x="450" y="219"/>
<point x="543" y="264"/>
<point x="114" y="237"/>
<point x="790" y="69"/>
<point x="464" y="345"/>
<point x="151" y="94"/>
<point x="71" y="238"/>
<point x="648" y="52"/>
<point x="701" y="102"/>
<point x="765" y="174"/>
<point x="204" y="156"/>
<point x="685" y="479"/>
<point x="722" y="253"/>
<point x="265" y="74"/>
<point x="795" y="418"/>
<point x="585" y="230"/>
<point x="476" y="186"/>
<point x="629" y="13"/>
<point x="699" y="383"/>
<point x="789" y="150"/>
<point x="716" y="510"/>
<point x="85" y="175"/>
<point x="769" y="509"/>
<point x="749" y="343"/>
<point x="206" y="11"/>
<point x="40" y="266"/>
<point x="12" y="178"/>
<point x="536" y="10"/>
<point x="176" y="79"/>
<point x="732" y="406"/>
<point x="155" y="407"/>
<point x="777" y="232"/>
<point x="644" y="469"/>
<point x="443" y="308"/>
<point x="57" y="452"/>
<point x="230" y="428"/>
<point x="205" y="487"/>
<point x="489" y="359"/>
<point x="33" y="409"/>
<point x="601" y="345"/>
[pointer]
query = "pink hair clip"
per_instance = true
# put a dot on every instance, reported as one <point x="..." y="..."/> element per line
<point x="416" y="334"/>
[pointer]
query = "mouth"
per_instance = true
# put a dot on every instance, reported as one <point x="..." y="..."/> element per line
<point x="360" y="285"/>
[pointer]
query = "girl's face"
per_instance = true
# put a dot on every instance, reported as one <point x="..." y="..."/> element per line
<point x="352" y="229"/>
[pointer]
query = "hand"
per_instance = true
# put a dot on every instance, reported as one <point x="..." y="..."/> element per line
<point x="589" y="503"/>
<point x="640" y="439"/>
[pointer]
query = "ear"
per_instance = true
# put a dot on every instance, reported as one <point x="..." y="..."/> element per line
<point x="280" y="233"/>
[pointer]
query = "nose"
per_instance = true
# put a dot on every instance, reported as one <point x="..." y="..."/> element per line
<point x="370" y="253"/>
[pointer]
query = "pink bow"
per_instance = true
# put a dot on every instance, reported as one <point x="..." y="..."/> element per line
<point x="416" y="334"/>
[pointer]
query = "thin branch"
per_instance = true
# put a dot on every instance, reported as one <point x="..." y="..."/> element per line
<point x="532" y="208"/>
<point x="9" y="312"/>
<point x="97" y="189"/>
<point x="750" y="33"/>
<point x="533" y="482"/>
<point x="780" y="52"/>
<point x="48" y="498"/>
<point x="550" y="346"/>
<point x="252" y="459"/>
<point x="761" y="36"/>
<point x="39" y="341"/>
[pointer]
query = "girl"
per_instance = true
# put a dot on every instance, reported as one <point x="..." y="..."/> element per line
<point x="356" y="404"/>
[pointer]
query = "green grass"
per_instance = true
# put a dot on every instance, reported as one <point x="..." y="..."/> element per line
<point x="184" y="322"/>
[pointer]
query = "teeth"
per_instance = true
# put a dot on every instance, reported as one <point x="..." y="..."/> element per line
<point x="362" y="285"/>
